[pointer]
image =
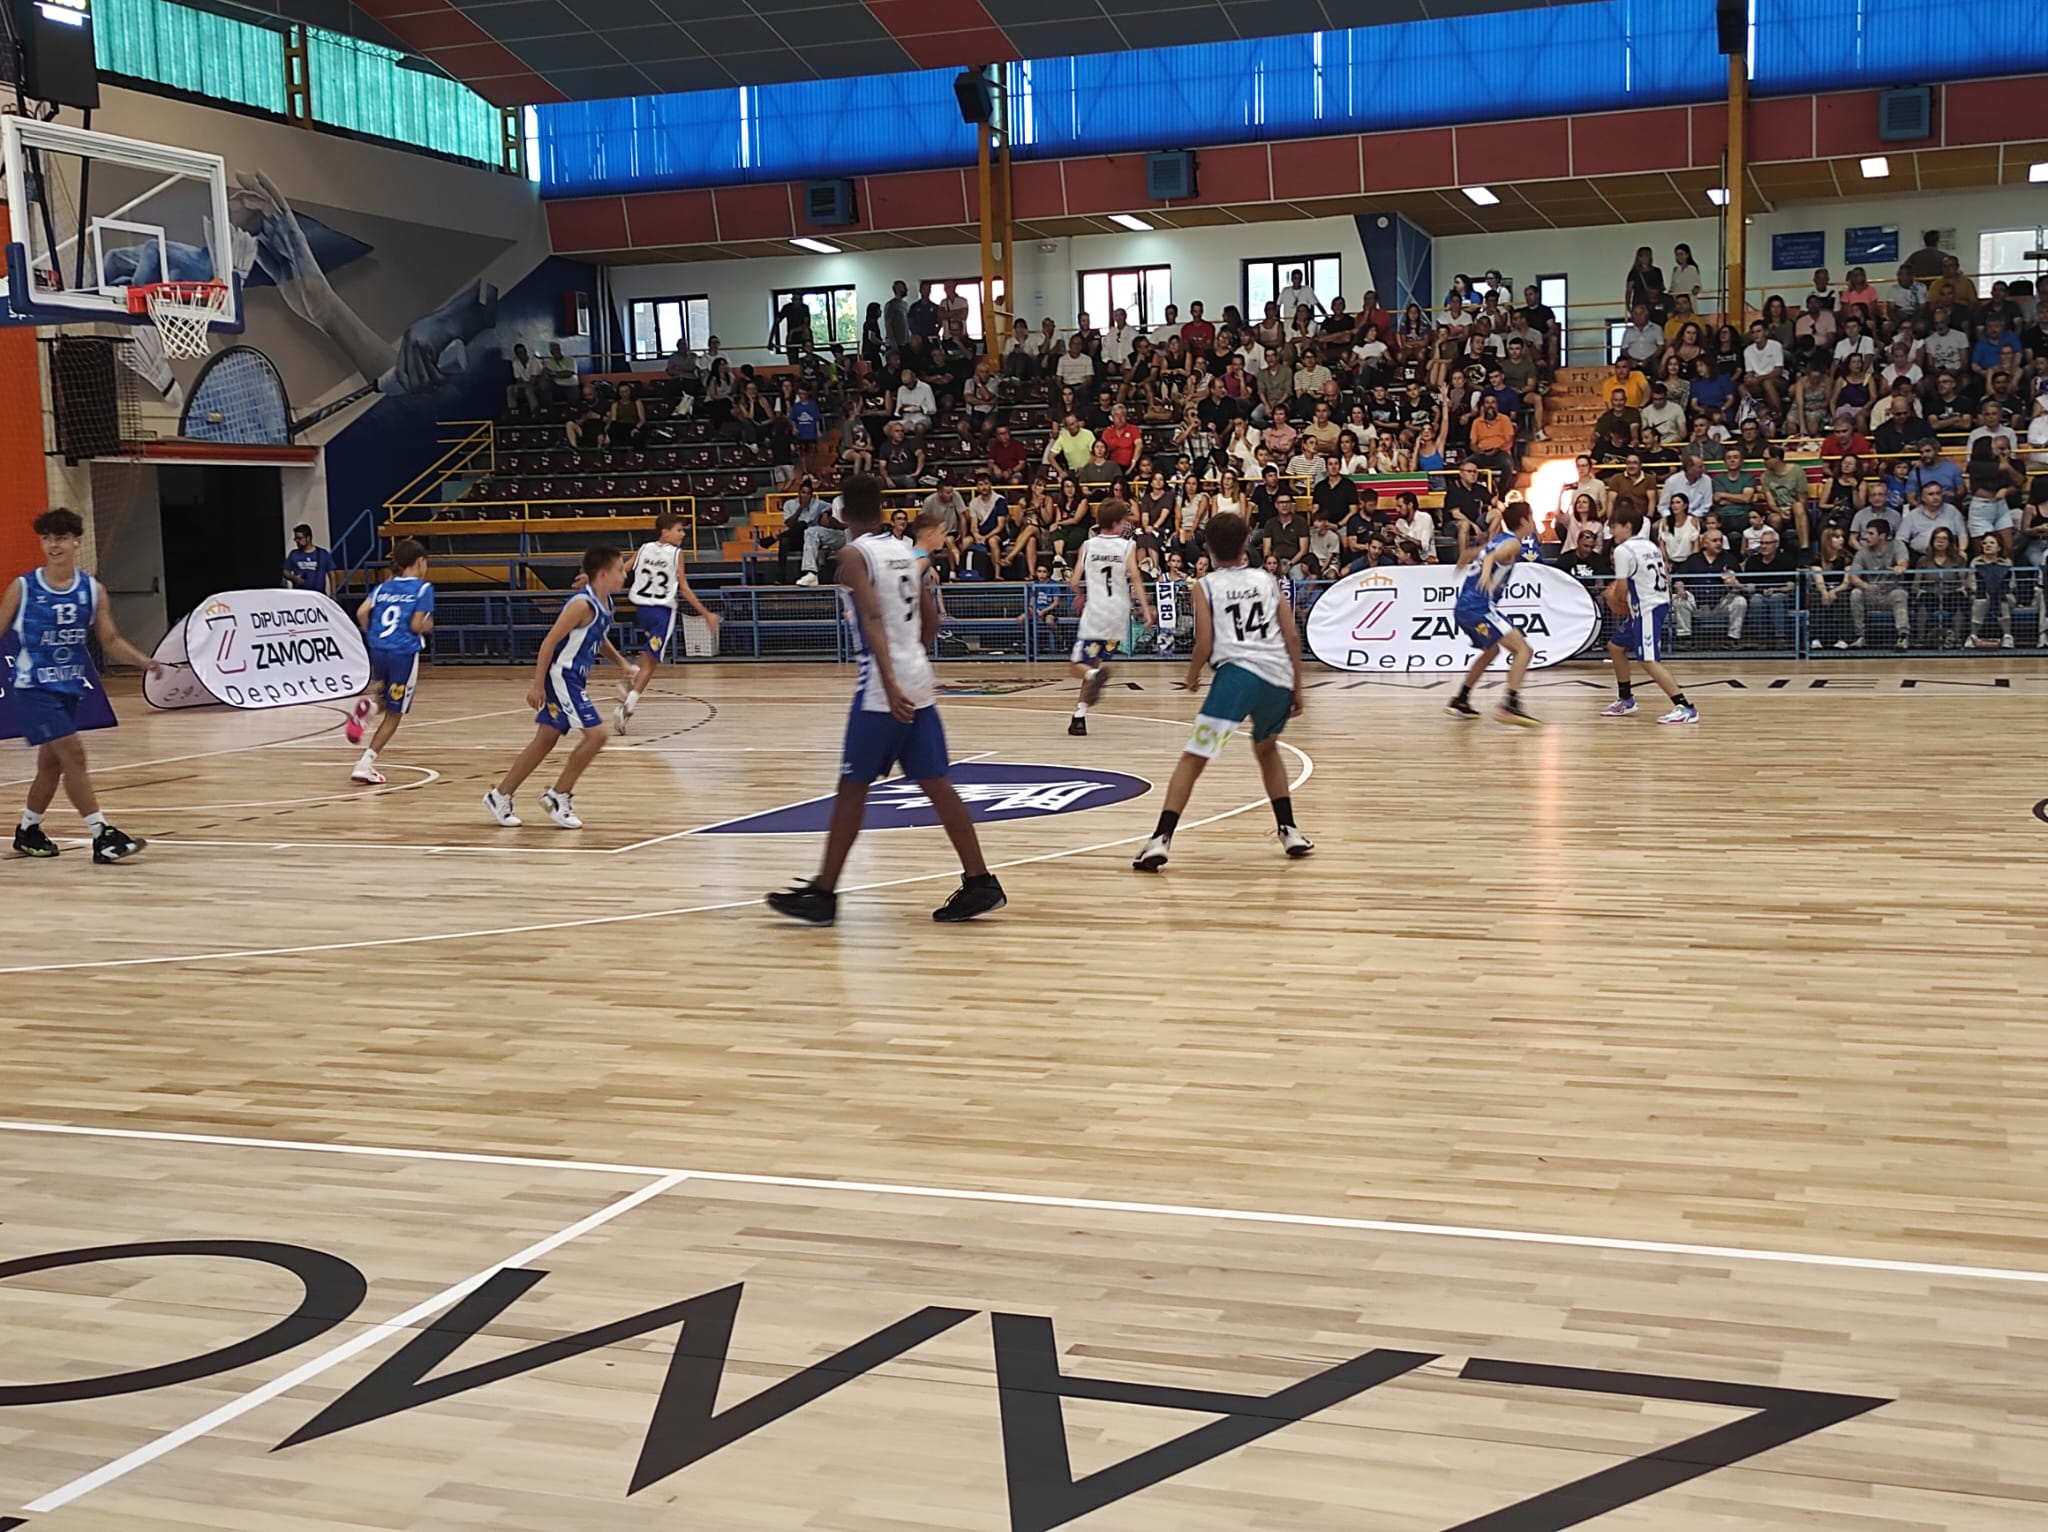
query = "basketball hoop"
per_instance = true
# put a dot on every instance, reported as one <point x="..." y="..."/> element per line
<point x="182" y="312"/>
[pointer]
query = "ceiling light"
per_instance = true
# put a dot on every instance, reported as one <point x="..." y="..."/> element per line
<point x="1718" y="195"/>
<point x="1129" y="221"/>
<point x="2038" y="171"/>
<point x="1481" y="195"/>
<point x="817" y="246"/>
<point x="1876" y="168"/>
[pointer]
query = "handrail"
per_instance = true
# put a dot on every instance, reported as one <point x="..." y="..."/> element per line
<point x="483" y="439"/>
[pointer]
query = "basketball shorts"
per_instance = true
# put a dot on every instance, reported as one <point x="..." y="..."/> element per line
<point x="394" y="679"/>
<point x="878" y="742"/>
<point x="1642" y="637"/>
<point x="1481" y="622"/>
<point x="658" y="623"/>
<point x="1235" y="695"/>
<point x="45" y="716"/>
<point x="567" y="706"/>
<point x="1093" y="651"/>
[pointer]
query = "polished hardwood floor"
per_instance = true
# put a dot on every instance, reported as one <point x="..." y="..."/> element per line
<point x="1610" y="1125"/>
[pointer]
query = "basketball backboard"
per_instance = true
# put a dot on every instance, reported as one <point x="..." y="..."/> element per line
<point x="92" y="214"/>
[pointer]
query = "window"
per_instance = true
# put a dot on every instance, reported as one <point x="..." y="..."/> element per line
<point x="968" y="288"/>
<point x="1143" y="293"/>
<point x="1266" y="279"/>
<point x="1550" y="292"/>
<point x="654" y="325"/>
<point x="2002" y="255"/>
<point x="834" y="314"/>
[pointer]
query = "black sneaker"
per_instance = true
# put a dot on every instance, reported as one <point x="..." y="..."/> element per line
<point x="812" y="905"/>
<point x="974" y="896"/>
<point x="111" y="845"/>
<point x="1077" y="725"/>
<point x="31" y="841"/>
<point x="1458" y="707"/>
<point x="1514" y="713"/>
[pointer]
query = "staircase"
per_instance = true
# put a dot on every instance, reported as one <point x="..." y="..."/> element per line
<point x="1577" y="396"/>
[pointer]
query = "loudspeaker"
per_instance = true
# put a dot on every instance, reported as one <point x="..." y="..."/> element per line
<point x="1731" y="26"/>
<point x="85" y="397"/>
<point x="977" y="97"/>
<point x="57" y="62"/>
<point x="1170" y="177"/>
<point x="1905" y="115"/>
<point x="829" y="204"/>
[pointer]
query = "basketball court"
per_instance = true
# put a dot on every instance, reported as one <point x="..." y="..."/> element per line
<point x="1609" y="1125"/>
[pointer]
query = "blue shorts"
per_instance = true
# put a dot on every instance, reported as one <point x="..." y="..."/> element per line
<point x="1642" y="637"/>
<point x="658" y="623"/>
<point x="46" y="716"/>
<point x="394" y="678"/>
<point x="877" y="741"/>
<point x="1484" y="625"/>
<point x="1093" y="651"/>
<point x="567" y="706"/>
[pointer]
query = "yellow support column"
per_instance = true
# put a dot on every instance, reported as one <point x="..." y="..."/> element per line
<point x="512" y="151"/>
<point x="993" y="170"/>
<point x="298" y="79"/>
<point x="1736" y="209"/>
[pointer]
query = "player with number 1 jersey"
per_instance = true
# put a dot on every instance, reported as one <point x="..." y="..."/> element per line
<point x="1244" y="627"/>
<point x="1107" y="585"/>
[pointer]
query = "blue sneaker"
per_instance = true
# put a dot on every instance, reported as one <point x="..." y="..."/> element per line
<point x="1620" y="707"/>
<point x="1685" y="713"/>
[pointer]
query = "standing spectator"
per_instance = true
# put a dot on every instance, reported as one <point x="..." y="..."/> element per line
<point x="1876" y="575"/>
<point x="790" y="330"/>
<point x="1993" y="483"/>
<point x="308" y="567"/>
<point x="1297" y="294"/>
<point x="529" y="379"/>
<point x="1642" y="341"/>
<point x="1990" y="595"/>
<point x="896" y="317"/>
<point x="1772" y="586"/>
<point x="1644" y="284"/>
<point x="923" y="317"/>
<point x="1925" y="263"/>
<point x="1685" y="276"/>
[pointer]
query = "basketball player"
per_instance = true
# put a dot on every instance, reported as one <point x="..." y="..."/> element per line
<point x="560" y="691"/>
<point x="395" y="620"/>
<point x="1107" y="583"/>
<point x="1481" y="579"/>
<point x="893" y="722"/>
<point x="658" y="579"/>
<point x="51" y="610"/>
<point x="1641" y="596"/>
<point x="1244" y="624"/>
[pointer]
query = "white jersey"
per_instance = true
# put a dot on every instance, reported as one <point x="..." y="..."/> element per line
<point x="1106" y="583"/>
<point x="655" y="569"/>
<point x="1640" y="562"/>
<point x="1244" y="617"/>
<point x="898" y="572"/>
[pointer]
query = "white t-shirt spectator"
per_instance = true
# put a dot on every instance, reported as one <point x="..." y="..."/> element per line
<point x="1667" y="420"/>
<point x="529" y="370"/>
<point x="1892" y="373"/>
<point x="1698" y="492"/>
<point x="1292" y="298"/>
<point x="1419" y="529"/>
<point x="1763" y="360"/>
<point x="1641" y="342"/>
<point x="1077" y="369"/>
<point x="2037" y="438"/>
<point x="915" y="405"/>
<point x="1946" y="353"/>
<point x="1118" y="342"/>
<point x="1862" y="345"/>
<point x="1679" y="542"/>
<point x="2012" y="440"/>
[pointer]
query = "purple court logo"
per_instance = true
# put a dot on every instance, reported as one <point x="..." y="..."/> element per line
<point x="993" y="791"/>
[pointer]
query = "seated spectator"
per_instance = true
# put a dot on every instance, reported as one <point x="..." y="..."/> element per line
<point x="684" y="368"/>
<point x="1946" y="348"/>
<point x="800" y="512"/>
<point x="1763" y="363"/>
<point x="561" y="370"/>
<point x="902" y="459"/>
<point x="1642" y="341"/>
<point x="1006" y="457"/>
<point x="529" y="380"/>
<point x="1876" y="578"/>
<point x="1415" y="526"/>
<point x="822" y="541"/>
<point x="1814" y="332"/>
<point x="1493" y="440"/>
<point x="1466" y="503"/>
<point x="587" y="421"/>
<point x="1902" y="429"/>
<point x="1924" y="517"/>
<point x="1334" y="496"/>
<point x="1073" y="446"/>
<point x="1772" y="586"/>
<point x="1829" y="607"/>
<point x="1325" y="546"/>
<point x="1711" y="390"/>
<point x="1584" y="559"/>
<point x="1707" y="582"/>
<point x="1679" y="534"/>
<point x="985" y="527"/>
<point x="1785" y="491"/>
<point x="1099" y="472"/>
<point x="1905" y="297"/>
<point x="1690" y="481"/>
<point x="1941" y="591"/>
<point x="1663" y="421"/>
<point x="1284" y="536"/>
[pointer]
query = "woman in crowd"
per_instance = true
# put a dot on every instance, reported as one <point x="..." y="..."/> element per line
<point x="1829" y="617"/>
<point x="1941" y="591"/>
<point x="1190" y="515"/>
<point x="1991" y="587"/>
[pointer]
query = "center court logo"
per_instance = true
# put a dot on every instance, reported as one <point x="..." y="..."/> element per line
<point x="994" y="792"/>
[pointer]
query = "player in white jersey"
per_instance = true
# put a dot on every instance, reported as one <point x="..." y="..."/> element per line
<point x="1107" y="585"/>
<point x="1641" y="597"/>
<point x="657" y="581"/>
<point x="1244" y="626"/>
<point x="894" y="612"/>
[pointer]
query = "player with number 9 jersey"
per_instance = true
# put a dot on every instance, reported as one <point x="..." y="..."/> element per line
<point x="395" y="620"/>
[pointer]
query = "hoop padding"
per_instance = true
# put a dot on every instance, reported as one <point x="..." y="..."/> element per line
<point x="183" y="313"/>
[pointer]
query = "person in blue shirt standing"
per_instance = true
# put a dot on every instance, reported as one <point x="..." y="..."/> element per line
<point x="308" y="567"/>
<point x="50" y="612"/>
<point x="395" y="619"/>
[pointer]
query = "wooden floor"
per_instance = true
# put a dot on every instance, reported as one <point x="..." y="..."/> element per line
<point x="1610" y="1125"/>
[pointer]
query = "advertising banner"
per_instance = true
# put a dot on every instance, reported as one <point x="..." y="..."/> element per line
<point x="1399" y="621"/>
<point x="177" y="687"/>
<point x="275" y="648"/>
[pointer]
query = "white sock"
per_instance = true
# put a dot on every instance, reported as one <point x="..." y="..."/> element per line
<point x="96" y="822"/>
<point x="30" y="819"/>
<point x="369" y="759"/>
<point x="1080" y="710"/>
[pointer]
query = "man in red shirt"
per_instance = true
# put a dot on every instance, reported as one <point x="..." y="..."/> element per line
<point x="1198" y="335"/>
<point x="1125" y="441"/>
<point x="1006" y="456"/>
<point x="1370" y="313"/>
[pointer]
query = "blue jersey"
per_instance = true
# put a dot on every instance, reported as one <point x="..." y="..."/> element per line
<point x="1482" y="576"/>
<point x="308" y="568"/>
<point x="392" y="608"/>
<point x="569" y="665"/>
<point x="51" y="627"/>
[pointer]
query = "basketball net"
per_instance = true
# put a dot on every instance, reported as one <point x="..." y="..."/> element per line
<point x="183" y="313"/>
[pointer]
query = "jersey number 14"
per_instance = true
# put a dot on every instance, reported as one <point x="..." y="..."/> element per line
<point x="1249" y="621"/>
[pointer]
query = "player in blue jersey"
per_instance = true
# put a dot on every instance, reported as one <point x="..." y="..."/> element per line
<point x="561" y="691"/>
<point x="1481" y="579"/>
<point x="395" y="620"/>
<point x="50" y="612"/>
<point x="895" y="613"/>
<point x="1641" y="597"/>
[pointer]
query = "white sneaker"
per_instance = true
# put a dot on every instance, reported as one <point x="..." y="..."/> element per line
<point x="500" y="805"/>
<point x="367" y="774"/>
<point x="1153" y="857"/>
<point x="622" y="712"/>
<point x="2005" y="642"/>
<point x="807" y="578"/>
<point x="561" y="809"/>
<point x="1294" y="843"/>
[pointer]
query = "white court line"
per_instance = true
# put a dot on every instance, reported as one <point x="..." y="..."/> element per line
<point x="427" y="775"/>
<point x="1308" y="768"/>
<point x="1079" y="1204"/>
<point x="170" y="1441"/>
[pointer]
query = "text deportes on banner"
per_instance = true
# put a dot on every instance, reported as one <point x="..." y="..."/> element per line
<point x="275" y="648"/>
<point x="1401" y="621"/>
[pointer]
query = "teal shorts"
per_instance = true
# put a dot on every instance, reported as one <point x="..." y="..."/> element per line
<point x="1235" y="695"/>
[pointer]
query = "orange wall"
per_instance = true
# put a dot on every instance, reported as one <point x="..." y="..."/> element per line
<point x="24" y="492"/>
